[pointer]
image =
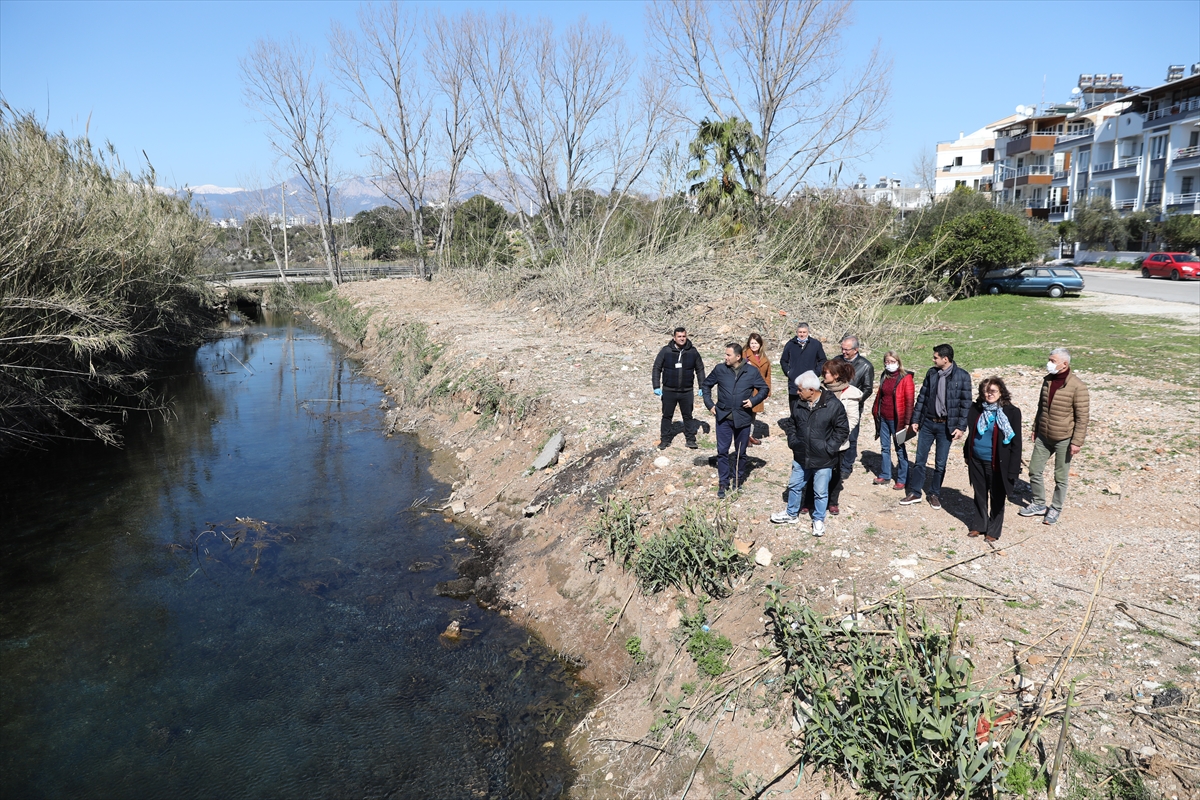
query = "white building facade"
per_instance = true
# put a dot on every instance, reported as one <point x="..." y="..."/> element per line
<point x="968" y="160"/>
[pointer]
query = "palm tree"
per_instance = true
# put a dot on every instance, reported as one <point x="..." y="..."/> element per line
<point x="728" y="158"/>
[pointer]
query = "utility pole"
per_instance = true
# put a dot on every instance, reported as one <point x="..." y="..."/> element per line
<point x="283" y="204"/>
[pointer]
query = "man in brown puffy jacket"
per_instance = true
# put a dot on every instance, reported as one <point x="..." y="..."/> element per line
<point x="1059" y="427"/>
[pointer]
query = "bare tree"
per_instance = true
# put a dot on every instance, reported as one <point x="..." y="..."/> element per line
<point x="281" y="84"/>
<point x="556" y="113"/>
<point x="390" y="100"/>
<point x="924" y="169"/>
<point x="447" y="60"/>
<point x="500" y="56"/>
<point x="777" y="63"/>
<point x="259" y="209"/>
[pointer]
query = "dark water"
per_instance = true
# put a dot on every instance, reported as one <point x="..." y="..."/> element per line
<point x="240" y="604"/>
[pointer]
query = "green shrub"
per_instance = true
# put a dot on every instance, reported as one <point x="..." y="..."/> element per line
<point x="633" y="646"/>
<point x="894" y="713"/>
<point x="696" y="554"/>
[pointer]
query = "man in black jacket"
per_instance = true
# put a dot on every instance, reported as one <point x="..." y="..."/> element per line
<point x="800" y="355"/>
<point x="819" y="427"/>
<point x="939" y="415"/>
<point x="740" y="387"/>
<point x="677" y="370"/>
<point x="864" y="381"/>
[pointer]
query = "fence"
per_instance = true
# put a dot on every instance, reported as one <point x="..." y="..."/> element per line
<point x="359" y="271"/>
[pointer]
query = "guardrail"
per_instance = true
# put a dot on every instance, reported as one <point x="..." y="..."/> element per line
<point x="1186" y="152"/>
<point x="1183" y="199"/>
<point x="1125" y="205"/>
<point x="351" y="272"/>
<point x="1173" y="109"/>
<point x="1129" y="161"/>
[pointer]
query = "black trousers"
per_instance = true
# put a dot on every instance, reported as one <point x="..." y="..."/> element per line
<point x="672" y="398"/>
<point x="988" y="489"/>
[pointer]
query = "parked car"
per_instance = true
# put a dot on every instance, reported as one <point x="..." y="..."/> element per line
<point x="1171" y="265"/>
<point x="1054" y="281"/>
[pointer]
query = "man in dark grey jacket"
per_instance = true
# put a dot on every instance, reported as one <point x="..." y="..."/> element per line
<point x="864" y="381"/>
<point x="740" y="387"/>
<point x="939" y="415"/>
<point x="819" y="427"/>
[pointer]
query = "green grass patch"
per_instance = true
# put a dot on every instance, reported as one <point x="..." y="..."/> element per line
<point x="633" y="646"/>
<point x="991" y="331"/>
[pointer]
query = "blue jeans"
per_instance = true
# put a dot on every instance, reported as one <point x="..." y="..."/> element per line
<point x="929" y="433"/>
<point x="800" y="478"/>
<point x="887" y="429"/>
<point x="738" y="437"/>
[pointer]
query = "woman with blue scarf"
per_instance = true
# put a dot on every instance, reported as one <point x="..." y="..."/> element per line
<point x="993" y="455"/>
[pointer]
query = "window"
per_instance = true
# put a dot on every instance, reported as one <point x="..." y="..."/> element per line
<point x="1158" y="147"/>
<point x="958" y="161"/>
<point x="1194" y="139"/>
<point x="959" y="183"/>
<point x="976" y="186"/>
<point x="1083" y="160"/>
<point x="1185" y="186"/>
<point x="1154" y="192"/>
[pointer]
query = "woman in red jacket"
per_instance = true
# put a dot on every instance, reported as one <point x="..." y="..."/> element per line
<point x="893" y="412"/>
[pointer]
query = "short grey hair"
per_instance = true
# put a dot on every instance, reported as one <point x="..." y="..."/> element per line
<point x="808" y="380"/>
<point x="850" y="338"/>
<point x="1062" y="351"/>
<point x="804" y="325"/>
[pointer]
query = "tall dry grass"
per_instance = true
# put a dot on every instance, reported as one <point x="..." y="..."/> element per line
<point x="827" y="259"/>
<point x="98" y="278"/>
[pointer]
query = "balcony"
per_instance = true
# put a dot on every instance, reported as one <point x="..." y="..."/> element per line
<point x="1128" y="161"/>
<point x="1060" y="176"/>
<point x="1026" y="143"/>
<point x="1187" y="199"/>
<point x="1065" y="142"/>
<point x="1175" y="109"/>
<point x="1102" y="166"/>
<point x="1125" y="205"/>
<point x="1187" y="152"/>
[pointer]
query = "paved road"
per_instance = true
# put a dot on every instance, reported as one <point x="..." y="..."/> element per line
<point x="1134" y="285"/>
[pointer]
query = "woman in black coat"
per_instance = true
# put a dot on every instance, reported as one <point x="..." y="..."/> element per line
<point x="993" y="455"/>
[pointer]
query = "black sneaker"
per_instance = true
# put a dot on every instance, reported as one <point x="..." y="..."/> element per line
<point x="663" y="445"/>
<point x="720" y="492"/>
<point x="691" y="444"/>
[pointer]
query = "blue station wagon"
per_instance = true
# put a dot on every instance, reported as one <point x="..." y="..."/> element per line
<point x="1051" y="281"/>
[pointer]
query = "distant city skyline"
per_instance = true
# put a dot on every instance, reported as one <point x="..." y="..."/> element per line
<point x="163" y="78"/>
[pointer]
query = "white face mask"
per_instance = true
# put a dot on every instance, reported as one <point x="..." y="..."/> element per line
<point x="891" y="366"/>
<point x="1051" y="367"/>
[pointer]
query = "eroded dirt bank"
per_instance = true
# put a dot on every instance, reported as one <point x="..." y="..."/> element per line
<point x="491" y="382"/>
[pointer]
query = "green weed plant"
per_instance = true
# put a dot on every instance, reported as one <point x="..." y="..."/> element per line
<point x="890" y="708"/>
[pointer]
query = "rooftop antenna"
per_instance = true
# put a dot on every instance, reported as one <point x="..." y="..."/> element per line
<point x="1043" y="91"/>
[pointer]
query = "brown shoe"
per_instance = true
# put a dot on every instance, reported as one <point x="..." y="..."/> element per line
<point x="973" y="534"/>
<point x="934" y="502"/>
<point x="991" y="539"/>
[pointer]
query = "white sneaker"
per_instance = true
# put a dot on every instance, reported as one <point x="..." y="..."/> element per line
<point x="784" y="518"/>
<point x="818" y="527"/>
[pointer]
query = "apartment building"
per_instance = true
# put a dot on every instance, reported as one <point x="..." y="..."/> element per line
<point x="968" y="160"/>
<point x="1142" y="153"/>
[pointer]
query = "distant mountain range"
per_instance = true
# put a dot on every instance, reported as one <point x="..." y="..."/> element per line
<point x="349" y="196"/>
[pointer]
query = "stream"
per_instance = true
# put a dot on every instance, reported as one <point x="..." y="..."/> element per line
<point x="240" y="603"/>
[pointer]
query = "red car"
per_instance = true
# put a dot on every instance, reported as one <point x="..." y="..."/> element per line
<point x="1171" y="265"/>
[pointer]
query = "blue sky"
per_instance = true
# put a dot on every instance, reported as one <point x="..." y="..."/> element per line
<point x="163" y="77"/>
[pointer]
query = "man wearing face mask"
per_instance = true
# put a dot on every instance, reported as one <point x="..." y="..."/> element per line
<point x="802" y="354"/>
<point x="1059" y="428"/>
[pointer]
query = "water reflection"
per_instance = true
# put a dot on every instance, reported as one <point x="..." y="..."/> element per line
<point x="240" y="603"/>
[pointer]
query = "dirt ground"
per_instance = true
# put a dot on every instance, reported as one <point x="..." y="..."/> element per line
<point x="1133" y="494"/>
